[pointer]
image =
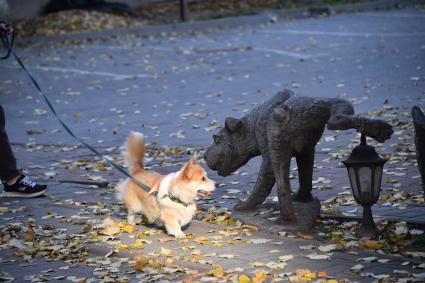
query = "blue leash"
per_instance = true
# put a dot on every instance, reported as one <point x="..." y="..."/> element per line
<point x="8" y="40"/>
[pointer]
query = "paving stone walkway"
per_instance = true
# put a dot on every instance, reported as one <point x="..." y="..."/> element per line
<point x="177" y="89"/>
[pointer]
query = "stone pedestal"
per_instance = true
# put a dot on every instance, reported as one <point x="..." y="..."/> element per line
<point x="267" y="220"/>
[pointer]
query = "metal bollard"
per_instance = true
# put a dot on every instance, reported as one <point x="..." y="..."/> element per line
<point x="183" y="10"/>
<point x="419" y="123"/>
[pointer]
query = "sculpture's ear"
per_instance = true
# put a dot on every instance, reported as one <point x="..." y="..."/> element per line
<point x="232" y="124"/>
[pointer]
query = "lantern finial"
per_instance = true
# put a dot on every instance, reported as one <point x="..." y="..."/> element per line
<point x="363" y="140"/>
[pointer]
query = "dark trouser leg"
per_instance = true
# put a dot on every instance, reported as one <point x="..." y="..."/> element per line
<point x="8" y="168"/>
<point x="305" y="165"/>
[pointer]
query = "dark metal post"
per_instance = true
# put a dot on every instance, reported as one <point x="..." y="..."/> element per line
<point x="183" y="10"/>
<point x="419" y="122"/>
<point x="368" y="227"/>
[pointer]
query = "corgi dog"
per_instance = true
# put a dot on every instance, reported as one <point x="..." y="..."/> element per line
<point x="175" y="202"/>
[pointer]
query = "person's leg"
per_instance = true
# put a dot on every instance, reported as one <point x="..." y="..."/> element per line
<point x="8" y="170"/>
<point x="15" y="184"/>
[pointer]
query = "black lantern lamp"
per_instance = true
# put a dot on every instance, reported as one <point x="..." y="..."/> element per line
<point x="365" y="168"/>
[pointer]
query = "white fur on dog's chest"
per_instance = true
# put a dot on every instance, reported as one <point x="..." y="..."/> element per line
<point x="182" y="213"/>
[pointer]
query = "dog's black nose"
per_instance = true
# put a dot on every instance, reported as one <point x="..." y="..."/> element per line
<point x="216" y="185"/>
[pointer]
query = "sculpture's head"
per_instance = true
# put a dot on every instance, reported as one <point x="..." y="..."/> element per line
<point x="379" y="130"/>
<point x="232" y="147"/>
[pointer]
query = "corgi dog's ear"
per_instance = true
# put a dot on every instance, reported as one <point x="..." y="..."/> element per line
<point x="187" y="171"/>
<point x="194" y="159"/>
<point x="188" y="168"/>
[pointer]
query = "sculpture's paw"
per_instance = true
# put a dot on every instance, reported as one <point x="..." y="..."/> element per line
<point x="302" y="197"/>
<point x="286" y="221"/>
<point x="245" y="205"/>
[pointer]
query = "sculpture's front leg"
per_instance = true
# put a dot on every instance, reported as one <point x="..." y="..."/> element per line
<point x="262" y="188"/>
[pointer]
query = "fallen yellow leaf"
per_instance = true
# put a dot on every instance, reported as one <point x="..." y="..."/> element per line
<point x="138" y="244"/>
<point x="110" y="230"/>
<point x="141" y="262"/>
<point x="200" y="239"/>
<point x="371" y="244"/>
<point x="217" y="272"/>
<point x="166" y="239"/>
<point x="165" y="251"/>
<point x="333" y="212"/>
<point x="259" y="277"/>
<point x="250" y="228"/>
<point x="29" y="237"/>
<point x="244" y="279"/>
<point x="301" y="271"/>
<point x="128" y="228"/>
<point x="304" y="236"/>
<point x="296" y="278"/>
<point x="198" y="257"/>
<point x="309" y="275"/>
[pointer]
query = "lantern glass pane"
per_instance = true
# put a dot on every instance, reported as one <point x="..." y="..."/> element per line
<point x="365" y="180"/>
<point x="353" y="180"/>
<point x="377" y="180"/>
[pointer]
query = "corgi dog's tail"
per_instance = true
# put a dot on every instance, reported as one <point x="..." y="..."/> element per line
<point x="135" y="152"/>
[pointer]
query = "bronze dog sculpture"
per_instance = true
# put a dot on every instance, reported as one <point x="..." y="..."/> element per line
<point x="280" y="128"/>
